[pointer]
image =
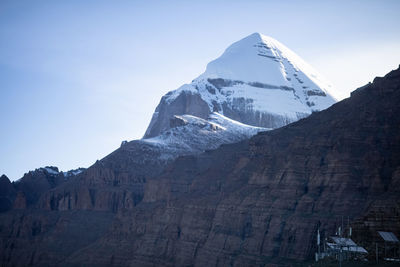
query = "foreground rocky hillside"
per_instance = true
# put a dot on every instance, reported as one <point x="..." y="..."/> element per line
<point x="249" y="203"/>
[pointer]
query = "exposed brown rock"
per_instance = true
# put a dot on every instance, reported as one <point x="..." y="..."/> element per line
<point x="20" y="201"/>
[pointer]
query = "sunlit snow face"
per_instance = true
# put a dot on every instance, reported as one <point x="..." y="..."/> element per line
<point x="259" y="74"/>
<point x="258" y="58"/>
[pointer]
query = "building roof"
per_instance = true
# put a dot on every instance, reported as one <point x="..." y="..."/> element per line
<point x="346" y="244"/>
<point x="388" y="236"/>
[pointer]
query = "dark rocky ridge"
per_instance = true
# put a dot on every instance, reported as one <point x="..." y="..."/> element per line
<point x="7" y="194"/>
<point x="26" y="191"/>
<point x="250" y="203"/>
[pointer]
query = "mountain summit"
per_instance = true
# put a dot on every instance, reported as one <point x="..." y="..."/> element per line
<point x="256" y="81"/>
<point x="259" y="58"/>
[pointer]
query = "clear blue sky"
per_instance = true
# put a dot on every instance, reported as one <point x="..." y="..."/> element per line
<point x="78" y="77"/>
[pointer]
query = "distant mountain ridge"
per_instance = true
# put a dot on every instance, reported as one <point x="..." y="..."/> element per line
<point x="25" y="192"/>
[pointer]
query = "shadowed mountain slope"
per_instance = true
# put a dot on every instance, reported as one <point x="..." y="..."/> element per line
<point x="244" y="204"/>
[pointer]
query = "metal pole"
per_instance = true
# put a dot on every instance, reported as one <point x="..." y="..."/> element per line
<point x="385" y="249"/>
<point x="319" y="244"/>
<point x="376" y="251"/>
<point x="342" y="228"/>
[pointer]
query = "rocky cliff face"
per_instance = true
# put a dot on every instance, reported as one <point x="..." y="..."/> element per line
<point x="186" y="103"/>
<point x="26" y="191"/>
<point x="250" y="203"/>
<point x="7" y="194"/>
<point x="256" y="81"/>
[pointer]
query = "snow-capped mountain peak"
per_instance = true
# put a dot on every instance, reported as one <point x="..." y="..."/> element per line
<point x="260" y="58"/>
<point x="257" y="81"/>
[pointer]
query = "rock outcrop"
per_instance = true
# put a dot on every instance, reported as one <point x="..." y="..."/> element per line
<point x="186" y="103"/>
<point x="7" y="194"/>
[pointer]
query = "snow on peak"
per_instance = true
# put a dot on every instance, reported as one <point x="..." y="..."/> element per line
<point x="260" y="58"/>
<point x="73" y="172"/>
<point x="232" y="125"/>
<point x="260" y="61"/>
<point x="51" y="170"/>
<point x="193" y="134"/>
<point x="54" y="171"/>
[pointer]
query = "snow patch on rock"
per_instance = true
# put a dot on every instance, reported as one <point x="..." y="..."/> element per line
<point x="195" y="135"/>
